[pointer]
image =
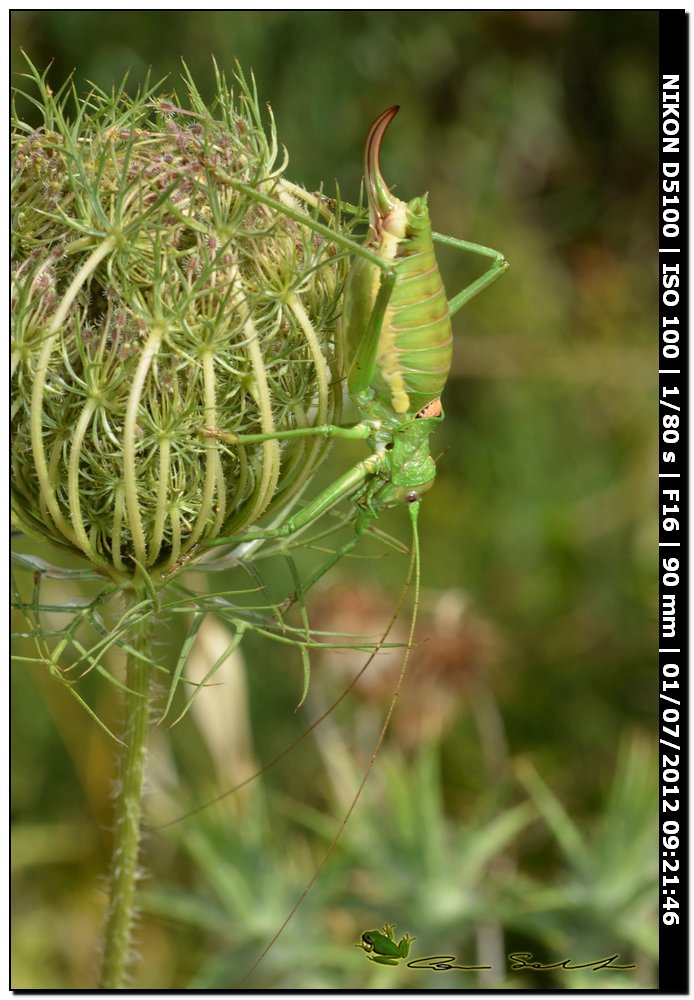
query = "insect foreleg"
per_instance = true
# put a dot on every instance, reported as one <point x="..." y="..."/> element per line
<point x="365" y="518"/>
<point x="341" y="488"/>
<point x="499" y="266"/>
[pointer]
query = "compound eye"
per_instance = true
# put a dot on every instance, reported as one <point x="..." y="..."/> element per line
<point x="413" y="496"/>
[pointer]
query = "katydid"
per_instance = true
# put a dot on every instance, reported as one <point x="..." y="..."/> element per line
<point x="396" y="325"/>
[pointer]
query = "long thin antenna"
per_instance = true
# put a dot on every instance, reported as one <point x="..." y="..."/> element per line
<point x="309" y="729"/>
<point x="412" y="568"/>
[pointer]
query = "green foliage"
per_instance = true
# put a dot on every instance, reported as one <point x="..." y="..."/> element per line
<point x="610" y="874"/>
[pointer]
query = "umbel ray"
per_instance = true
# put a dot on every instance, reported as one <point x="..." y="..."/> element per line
<point x="397" y="331"/>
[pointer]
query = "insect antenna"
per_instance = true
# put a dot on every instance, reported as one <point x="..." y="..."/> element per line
<point x="328" y="711"/>
<point x="412" y="570"/>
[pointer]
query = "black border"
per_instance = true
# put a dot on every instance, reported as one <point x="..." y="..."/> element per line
<point x="673" y="492"/>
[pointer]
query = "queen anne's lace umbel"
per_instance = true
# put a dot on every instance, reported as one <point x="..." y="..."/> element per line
<point x="153" y="298"/>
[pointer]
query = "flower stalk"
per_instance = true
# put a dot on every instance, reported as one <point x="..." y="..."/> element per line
<point x="128" y="808"/>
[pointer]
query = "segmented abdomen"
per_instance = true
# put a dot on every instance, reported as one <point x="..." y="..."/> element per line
<point x="416" y="342"/>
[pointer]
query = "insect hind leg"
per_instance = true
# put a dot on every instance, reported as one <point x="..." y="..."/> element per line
<point x="499" y="266"/>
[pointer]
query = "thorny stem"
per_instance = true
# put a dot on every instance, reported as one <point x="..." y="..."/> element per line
<point x="123" y="875"/>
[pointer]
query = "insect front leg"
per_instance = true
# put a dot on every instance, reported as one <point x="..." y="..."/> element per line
<point x="499" y="266"/>
<point x="366" y="516"/>
<point x="331" y="495"/>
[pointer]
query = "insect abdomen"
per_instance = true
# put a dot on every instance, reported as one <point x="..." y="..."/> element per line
<point x="415" y="348"/>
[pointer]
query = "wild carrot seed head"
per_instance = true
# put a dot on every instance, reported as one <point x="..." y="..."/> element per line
<point x="152" y="299"/>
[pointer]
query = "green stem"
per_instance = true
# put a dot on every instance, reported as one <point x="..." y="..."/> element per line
<point x="123" y="876"/>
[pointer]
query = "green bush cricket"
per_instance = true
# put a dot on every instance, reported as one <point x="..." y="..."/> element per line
<point x="396" y="327"/>
<point x="397" y="324"/>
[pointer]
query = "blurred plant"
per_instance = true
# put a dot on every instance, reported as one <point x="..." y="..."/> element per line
<point x="404" y="859"/>
<point x="164" y="280"/>
<point x="609" y="892"/>
<point x="451" y="665"/>
<point x="456" y="884"/>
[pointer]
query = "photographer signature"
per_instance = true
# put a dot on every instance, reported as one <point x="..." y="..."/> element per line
<point x="518" y="960"/>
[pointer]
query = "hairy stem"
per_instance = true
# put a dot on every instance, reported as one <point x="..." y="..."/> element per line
<point x="126" y="843"/>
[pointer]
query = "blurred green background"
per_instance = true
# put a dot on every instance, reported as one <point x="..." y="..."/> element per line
<point x="513" y="807"/>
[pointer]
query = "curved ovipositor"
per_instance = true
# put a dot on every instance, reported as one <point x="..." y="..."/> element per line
<point x="405" y="361"/>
